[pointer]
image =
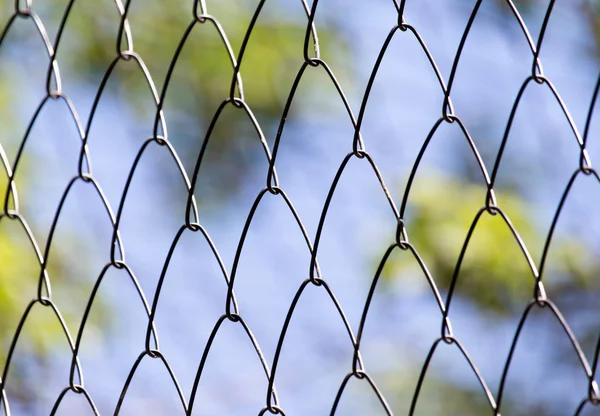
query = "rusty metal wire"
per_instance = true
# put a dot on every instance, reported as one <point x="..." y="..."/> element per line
<point x="191" y="220"/>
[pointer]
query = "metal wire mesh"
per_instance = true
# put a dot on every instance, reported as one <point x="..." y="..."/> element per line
<point x="191" y="220"/>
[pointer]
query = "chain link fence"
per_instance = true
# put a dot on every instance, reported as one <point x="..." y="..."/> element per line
<point x="50" y="20"/>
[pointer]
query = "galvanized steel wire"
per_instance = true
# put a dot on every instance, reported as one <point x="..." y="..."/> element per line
<point x="357" y="149"/>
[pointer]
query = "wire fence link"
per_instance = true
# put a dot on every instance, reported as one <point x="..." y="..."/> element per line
<point x="191" y="220"/>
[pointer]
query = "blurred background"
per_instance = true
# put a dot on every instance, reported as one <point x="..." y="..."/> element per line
<point x="272" y="260"/>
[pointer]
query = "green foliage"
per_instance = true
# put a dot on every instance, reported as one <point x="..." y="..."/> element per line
<point x="42" y="335"/>
<point x="203" y="74"/>
<point x="18" y="276"/>
<point x="494" y="273"/>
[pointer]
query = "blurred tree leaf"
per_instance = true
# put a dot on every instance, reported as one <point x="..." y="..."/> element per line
<point x="19" y="276"/>
<point x="494" y="275"/>
<point x="203" y="73"/>
<point x="494" y="271"/>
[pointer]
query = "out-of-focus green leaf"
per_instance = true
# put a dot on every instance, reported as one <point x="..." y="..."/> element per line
<point x="494" y="273"/>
